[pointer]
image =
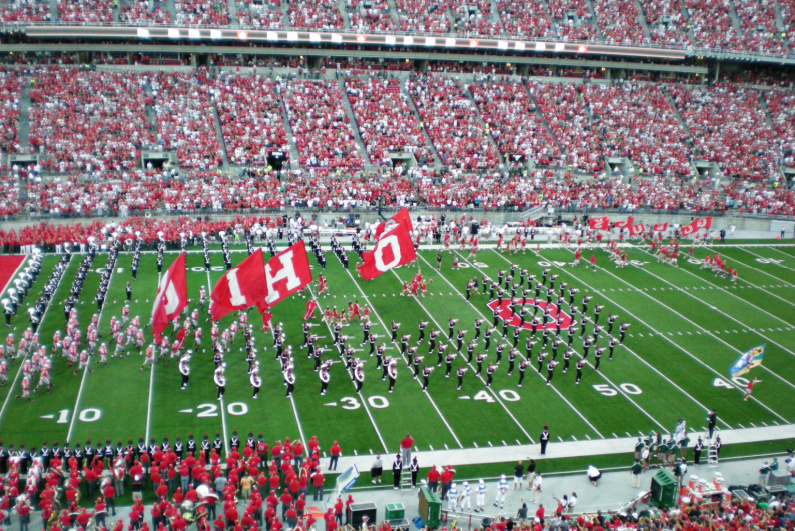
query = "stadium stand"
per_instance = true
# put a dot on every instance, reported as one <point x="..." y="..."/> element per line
<point x="250" y="115"/>
<point x="321" y="130"/>
<point x="385" y="119"/>
<point x="88" y="119"/>
<point x="737" y="137"/>
<point x="452" y="121"/>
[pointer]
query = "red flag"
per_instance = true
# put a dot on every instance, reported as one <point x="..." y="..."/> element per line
<point x="393" y="249"/>
<point x="311" y="305"/>
<point x="241" y="287"/>
<point x="599" y="223"/>
<point x="401" y="217"/>
<point x="687" y="230"/>
<point x="625" y="224"/>
<point x="702" y="223"/>
<point x="181" y="336"/>
<point x="661" y="228"/>
<point x="636" y="229"/>
<point x="286" y="273"/>
<point x="171" y="297"/>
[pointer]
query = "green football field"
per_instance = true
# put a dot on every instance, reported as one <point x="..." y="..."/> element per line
<point x="687" y="328"/>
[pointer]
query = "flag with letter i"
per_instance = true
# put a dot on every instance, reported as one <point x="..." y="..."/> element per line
<point x="241" y="287"/>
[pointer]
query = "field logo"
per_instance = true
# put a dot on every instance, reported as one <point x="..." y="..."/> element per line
<point x="511" y="318"/>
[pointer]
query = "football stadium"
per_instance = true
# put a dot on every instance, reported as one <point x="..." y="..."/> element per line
<point x="255" y="249"/>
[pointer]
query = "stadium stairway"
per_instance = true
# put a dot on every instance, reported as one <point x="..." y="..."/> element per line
<point x="437" y="159"/>
<point x="346" y="18"/>
<point x="287" y="129"/>
<point x="643" y="23"/>
<point x="354" y="124"/>
<point x="232" y="16"/>
<point x="171" y="9"/>
<point x="23" y="127"/>
<point x="544" y="121"/>
<point x="735" y="19"/>
<point x="504" y="453"/>
<point x="53" y="4"/>
<point x="779" y="18"/>
<point x="486" y="129"/>
<point x="219" y="134"/>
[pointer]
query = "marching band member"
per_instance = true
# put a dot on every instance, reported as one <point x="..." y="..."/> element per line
<point x="325" y="377"/>
<point x="220" y="380"/>
<point x="184" y="369"/>
<point x="255" y="380"/>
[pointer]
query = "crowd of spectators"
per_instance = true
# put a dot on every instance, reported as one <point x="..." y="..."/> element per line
<point x="638" y="123"/>
<point x="758" y="22"/>
<point x="666" y="22"/>
<point x="10" y="91"/>
<point x="567" y="113"/>
<point x="185" y="120"/>
<point x="85" y="11"/>
<point x="700" y="23"/>
<point x="322" y="132"/>
<point x="423" y="16"/>
<point x="573" y="19"/>
<point x="781" y="105"/>
<point x="373" y="15"/>
<point x="620" y="21"/>
<point x="250" y="114"/>
<point x="521" y="18"/>
<point x="712" y="25"/>
<point x="144" y="11"/>
<point x="89" y="119"/>
<point x="453" y="123"/>
<point x="729" y="127"/>
<point x="385" y="119"/>
<point x="202" y="12"/>
<point x="24" y="11"/>
<point x="9" y="200"/>
<point x="315" y="14"/>
<point x="260" y="15"/>
<point x="515" y="124"/>
<point x="475" y="17"/>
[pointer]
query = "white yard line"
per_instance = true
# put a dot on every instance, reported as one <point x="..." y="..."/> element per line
<point x="677" y="288"/>
<point x="650" y="366"/>
<point x="523" y="356"/>
<point x="88" y="364"/>
<point x="489" y="389"/>
<point x="362" y="400"/>
<point x="292" y="403"/>
<point x="715" y="308"/>
<point x="782" y="266"/>
<point x="397" y="347"/>
<point x="660" y="334"/>
<point x="44" y="315"/>
<point x="616" y="387"/>
<point x="778" y="279"/>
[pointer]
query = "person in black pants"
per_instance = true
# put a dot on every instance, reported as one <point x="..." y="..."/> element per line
<point x="397" y="468"/>
<point x="129" y="291"/>
<point x="712" y="419"/>
<point x="544" y="439"/>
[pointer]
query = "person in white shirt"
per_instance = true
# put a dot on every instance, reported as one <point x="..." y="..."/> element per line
<point x="464" y="498"/>
<point x="452" y="498"/>
<point x="480" y="496"/>
<point x="536" y="492"/>
<point x="593" y="475"/>
<point x="572" y="502"/>
<point x="502" y="490"/>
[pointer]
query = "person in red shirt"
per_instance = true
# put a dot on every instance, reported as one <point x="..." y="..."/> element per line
<point x="338" y="506"/>
<point x="318" y="480"/>
<point x="335" y="452"/>
<point x="405" y="447"/>
<point x="286" y="500"/>
<point x="109" y="493"/>
<point x="540" y="513"/>
<point x="230" y="514"/>
<point x="433" y="479"/>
